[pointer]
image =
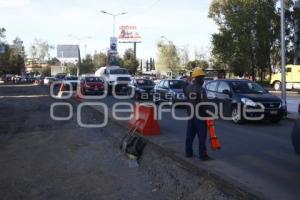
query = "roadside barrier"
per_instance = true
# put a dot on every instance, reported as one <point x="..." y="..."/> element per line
<point x="65" y="91"/>
<point x="78" y="94"/>
<point x="144" y="119"/>
<point x="214" y="142"/>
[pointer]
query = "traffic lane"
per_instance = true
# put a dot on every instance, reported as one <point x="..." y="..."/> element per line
<point x="292" y="101"/>
<point x="258" y="155"/>
<point x="292" y="104"/>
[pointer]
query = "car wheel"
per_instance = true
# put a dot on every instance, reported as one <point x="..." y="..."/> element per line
<point x="277" y="85"/>
<point x="236" y="116"/>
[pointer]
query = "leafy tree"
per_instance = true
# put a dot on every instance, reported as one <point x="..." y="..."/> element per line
<point x="40" y="50"/>
<point x="53" y="61"/>
<point x="87" y="66"/>
<point x="248" y="30"/>
<point x="46" y="71"/>
<point x="130" y="62"/>
<point x="100" y="60"/>
<point x="197" y="63"/>
<point x="184" y="56"/>
<point x="71" y="69"/>
<point x="168" y="59"/>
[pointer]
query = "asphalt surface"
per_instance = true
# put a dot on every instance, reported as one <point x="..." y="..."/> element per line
<point x="257" y="156"/>
<point x="42" y="159"/>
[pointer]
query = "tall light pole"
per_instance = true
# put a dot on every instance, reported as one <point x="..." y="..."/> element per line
<point x="79" y="39"/>
<point x="114" y="19"/>
<point x="283" y="74"/>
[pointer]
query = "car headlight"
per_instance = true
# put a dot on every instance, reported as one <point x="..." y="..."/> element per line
<point x="174" y="94"/>
<point x="248" y="102"/>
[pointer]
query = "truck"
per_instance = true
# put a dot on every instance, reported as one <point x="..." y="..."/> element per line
<point x="114" y="76"/>
<point x="292" y="78"/>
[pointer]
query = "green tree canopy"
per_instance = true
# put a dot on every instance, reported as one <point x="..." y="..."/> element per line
<point x="87" y="65"/>
<point x="248" y="30"/>
<point x="197" y="63"/>
<point x="168" y="58"/>
<point x="130" y="62"/>
<point x="100" y="60"/>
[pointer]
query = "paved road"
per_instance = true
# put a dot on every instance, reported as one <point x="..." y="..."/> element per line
<point x="293" y="101"/>
<point x="258" y="156"/>
<point x="292" y="104"/>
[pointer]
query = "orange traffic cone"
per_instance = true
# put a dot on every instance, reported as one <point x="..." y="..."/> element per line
<point x="78" y="94"/>
<point x="214" y="142"/>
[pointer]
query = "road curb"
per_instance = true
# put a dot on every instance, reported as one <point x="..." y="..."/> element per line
<point x="233" y="190"/>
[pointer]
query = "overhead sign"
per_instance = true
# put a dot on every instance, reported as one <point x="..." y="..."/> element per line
<point x="129" y="34"/>
<point x="113" y="44"/>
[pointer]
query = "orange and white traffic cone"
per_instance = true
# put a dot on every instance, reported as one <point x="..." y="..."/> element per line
<point x="214" y="142"/>
<point x="62" y="89"/>
<point x="78" y="94"/>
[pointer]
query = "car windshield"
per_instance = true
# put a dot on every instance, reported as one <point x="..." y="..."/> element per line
<point x="144" y="82"/>
<point x="60" y="76"/>
<point x="177" y="84"/>
<point x="74" y="78"/>
<point x="118" y="71"/>
<point x="247" y="87"/>
<point x="93" y="79"/>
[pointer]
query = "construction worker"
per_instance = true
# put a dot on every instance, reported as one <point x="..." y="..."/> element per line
<point x="196" y="94"/>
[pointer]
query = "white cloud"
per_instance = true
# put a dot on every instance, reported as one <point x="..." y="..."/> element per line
<point x="13" y="3"/>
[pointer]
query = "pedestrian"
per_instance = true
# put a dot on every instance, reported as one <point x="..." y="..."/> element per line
<point x="196" y="94"/>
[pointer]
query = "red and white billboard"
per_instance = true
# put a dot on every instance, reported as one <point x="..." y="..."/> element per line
<point x="129" y="33"/>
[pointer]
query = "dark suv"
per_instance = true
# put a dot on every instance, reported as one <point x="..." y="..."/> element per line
<point x="234" y="94"/>
<point x="170" y="90"/>
<point x="143" y="88"/>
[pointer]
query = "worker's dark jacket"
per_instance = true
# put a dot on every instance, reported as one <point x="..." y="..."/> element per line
<point x="195" y="94"/>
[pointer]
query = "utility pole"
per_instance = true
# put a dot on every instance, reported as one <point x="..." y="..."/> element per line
<point x="283" y="74"/>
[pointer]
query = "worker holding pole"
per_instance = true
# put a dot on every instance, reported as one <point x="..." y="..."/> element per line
<point x="196" y="94"/>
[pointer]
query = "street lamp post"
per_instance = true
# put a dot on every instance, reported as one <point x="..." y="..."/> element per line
<point x="114" y="19"/>
<point x="283" y="74"/>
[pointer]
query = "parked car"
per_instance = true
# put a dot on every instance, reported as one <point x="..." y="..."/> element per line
<point x="143" y="88"/>
<point x="71" y="80"/>
<point x="296" y="134"/>
<point x="60" y="76"/>
<point x="91" y="85"/>
<point x="232" y="93"/>
<point x="48" y="80"/>
<point x="169" y="90"/>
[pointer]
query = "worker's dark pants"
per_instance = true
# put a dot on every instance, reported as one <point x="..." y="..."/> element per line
<point x="199" y="127"/>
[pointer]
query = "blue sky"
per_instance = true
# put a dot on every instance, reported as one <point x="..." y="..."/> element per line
<point x="184" y="22"/>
